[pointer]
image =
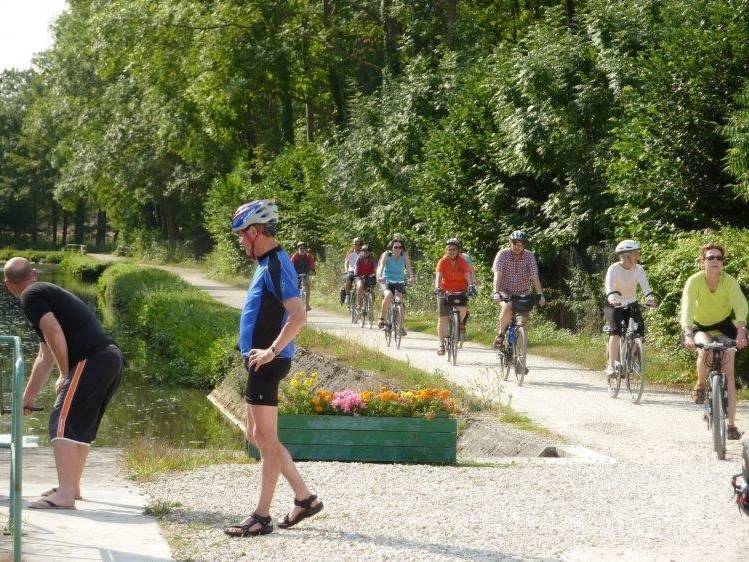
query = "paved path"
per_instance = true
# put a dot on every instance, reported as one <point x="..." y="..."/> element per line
<point x="668" y="472"/>
<point x="107" y="525"/>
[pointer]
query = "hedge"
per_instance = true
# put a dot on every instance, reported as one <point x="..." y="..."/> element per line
<point x="189" y="338"/>
<point x="82" y="267"/>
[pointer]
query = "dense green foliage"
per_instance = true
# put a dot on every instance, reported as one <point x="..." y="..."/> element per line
<point x="189" y="338"/>
<point x="581" y="121"/>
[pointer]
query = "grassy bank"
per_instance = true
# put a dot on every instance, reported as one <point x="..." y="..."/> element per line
<point x="189" y="338"/>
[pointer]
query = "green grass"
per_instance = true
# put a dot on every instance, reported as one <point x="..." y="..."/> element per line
<point x="146" y="460"/>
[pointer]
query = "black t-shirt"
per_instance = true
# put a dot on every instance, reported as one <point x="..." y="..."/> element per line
<point x="83" y="332"/>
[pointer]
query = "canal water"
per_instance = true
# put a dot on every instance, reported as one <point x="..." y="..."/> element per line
<point x="141" y="409"/>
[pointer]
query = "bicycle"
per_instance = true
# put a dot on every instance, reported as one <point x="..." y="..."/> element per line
<point x="631" y="364"/>
<point x="452" y="340"/>
<point x="394" y="323"/>
<point x="367" y="307"/>
<point x="512" y="354"/>
<point x="302" y="280"/>
<point x="716" y="404"/>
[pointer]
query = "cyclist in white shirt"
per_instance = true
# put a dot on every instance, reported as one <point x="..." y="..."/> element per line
<point x="349" y="268"/>
<point x="622" y="279"/>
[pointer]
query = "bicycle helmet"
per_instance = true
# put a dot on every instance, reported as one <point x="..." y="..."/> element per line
<point x="627" y="246"/>
<point x="365" y="248"/>
<point x="300" y="243"/>
<point x="453" y="242"/>
<point x="358" y="240"/>
<point x="263" y="211"/>
<point x="519" y="235"/>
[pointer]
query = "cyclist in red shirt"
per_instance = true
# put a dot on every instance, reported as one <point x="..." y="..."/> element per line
<point x="452" y="275"/>
<point x="304" y="264"/>
<point x="364" y="273"/>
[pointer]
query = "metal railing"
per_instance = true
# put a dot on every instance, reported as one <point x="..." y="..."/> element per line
<point x="15" y="444"/>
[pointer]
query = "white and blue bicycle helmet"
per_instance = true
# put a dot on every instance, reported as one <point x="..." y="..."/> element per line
<point x="263" y="211"/>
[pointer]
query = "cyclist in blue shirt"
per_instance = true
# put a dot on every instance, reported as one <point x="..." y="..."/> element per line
<point x="272" y="316"/>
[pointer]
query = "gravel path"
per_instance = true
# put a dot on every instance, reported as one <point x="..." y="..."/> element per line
<point x="662" y="496"/>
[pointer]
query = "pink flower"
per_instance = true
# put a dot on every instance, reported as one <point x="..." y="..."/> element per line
<point x="347" y="401"/>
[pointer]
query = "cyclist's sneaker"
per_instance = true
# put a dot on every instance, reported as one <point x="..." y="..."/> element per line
<point x="309" y="308"/>
<point x="498" y="341"/>
<point x="608" y="371"/>
<point x="698" y="395"/>
<point x="733" y="433"/>
<point x="403" y="332"/>
<point x="441" y="350"/>
<point x="381" y="323"/>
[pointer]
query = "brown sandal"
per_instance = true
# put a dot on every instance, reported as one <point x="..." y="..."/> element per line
<point x="308" y="511"/>
<point x="698" y="395"/>
<point x="241" y="530"/>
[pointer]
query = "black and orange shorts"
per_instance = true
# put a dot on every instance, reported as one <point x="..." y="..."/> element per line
<point x="85" y="395"/>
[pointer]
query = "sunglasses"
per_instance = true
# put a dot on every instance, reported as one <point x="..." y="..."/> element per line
<point x="397" y="247"/>
<point x="713" y="258"/>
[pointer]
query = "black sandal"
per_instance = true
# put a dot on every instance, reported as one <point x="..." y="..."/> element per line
<point x="244" y="530"/>
<point x="309" y="511"/>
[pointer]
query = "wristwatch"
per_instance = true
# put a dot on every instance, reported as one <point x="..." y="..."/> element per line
<point x="274" y="350"/>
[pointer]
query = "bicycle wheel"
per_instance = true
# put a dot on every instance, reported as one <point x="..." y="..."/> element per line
<point x="518" y="360"/>
<point x="615" y="381"/>
<point x="636" y="370"/>
<point x="397" y="325"/>
<point x="455" y="335"/>
<point x="352" y="307"/>
<point x="719" y="420"/>
<point x="364" y="309"/>
<point x="504" y="364"/>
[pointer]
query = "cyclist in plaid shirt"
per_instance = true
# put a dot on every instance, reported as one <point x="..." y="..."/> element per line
<point x="515" y="269"/>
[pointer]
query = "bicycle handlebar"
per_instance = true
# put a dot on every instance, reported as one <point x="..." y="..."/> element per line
<point x="721" y="346"/>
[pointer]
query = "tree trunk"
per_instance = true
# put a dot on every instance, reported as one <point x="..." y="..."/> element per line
<point x="34" y="219"/>
<point x="337" y="91"/>
<point x="55" y="219"/>
<point x="569" y="9"/>
<point x="250" y="134"/>
<point x="287" y="109"/>
<point x="309" y="109"/>
<point x="64" y="227"/>
<point x="451" y="22"/>
<point x="390" y="42"/>
<point x="101" y="228"/>
<point x="80" y="222"/>
<point x="168" y="220"/>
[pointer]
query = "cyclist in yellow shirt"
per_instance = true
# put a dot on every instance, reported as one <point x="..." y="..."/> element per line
<point x="714" y="308"/>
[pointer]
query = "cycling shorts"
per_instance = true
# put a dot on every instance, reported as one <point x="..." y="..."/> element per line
<point x="446" y="303"/>
<point x="369" y="281"/>
<point x="262" y="384"/>
<point x="614" y="316"/>
<point x="395" y="287"/>
<point x="725" y="327"/>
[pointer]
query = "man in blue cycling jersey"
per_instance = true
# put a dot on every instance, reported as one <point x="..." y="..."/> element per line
<point x="272" y="316"/>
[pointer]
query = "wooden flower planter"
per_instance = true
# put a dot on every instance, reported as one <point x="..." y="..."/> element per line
<point x="361" y="438"/>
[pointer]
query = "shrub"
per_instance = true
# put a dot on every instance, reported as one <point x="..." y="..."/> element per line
<point x="35" y="256"/>
<point x="82" y="267"/>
